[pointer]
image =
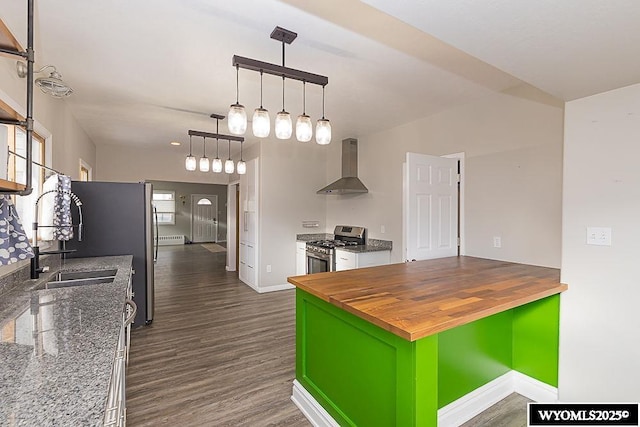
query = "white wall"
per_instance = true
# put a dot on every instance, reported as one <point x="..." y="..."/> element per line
<point x="161" y="163"/>
<point x="513" y="147"/>
<point x="600" y="319"/>
<point x="290" y="175"/>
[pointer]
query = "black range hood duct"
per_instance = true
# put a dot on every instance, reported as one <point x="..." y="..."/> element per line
<point x="349" y="183"/>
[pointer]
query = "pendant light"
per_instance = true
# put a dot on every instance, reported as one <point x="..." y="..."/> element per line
<point x="323" y="127"/>
<point x="283" y="120"/>
<point x="204" y="160"/>
<point x="304" y="129"/>
<point x="190" y="162"/>
<point x="237" y="117"/>
<point x="216" y="164"/>
<point x="261" y="123"/>
<point x="228" y="164"/>
<point x="242" y="166"/>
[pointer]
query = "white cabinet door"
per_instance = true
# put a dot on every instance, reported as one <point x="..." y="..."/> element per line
<point x="301" y="258"/>
<point x="346" y="260"/>
<point x="249" y="214"/>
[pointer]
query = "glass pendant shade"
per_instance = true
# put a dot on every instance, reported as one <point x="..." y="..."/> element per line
<point x="304" y="128"/>
<point x="237" y="119"/>
<point x="284" y="127"/>
<point x="228" y="166"/>
<point x="190" y="163"/>
<point x="323" y="131"/>
<point x="204" y="164"/>
<point x="261" y="123"/>
<point x="216" y="165"/>
<point x="242" y="167"/>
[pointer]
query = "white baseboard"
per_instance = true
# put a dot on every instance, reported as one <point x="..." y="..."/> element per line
<point x="480" y="399"/>
<point x="310" y="407"/>
<point x="534" y="389"/>
<point x="471" y="404"/>
<point x="455" y="413"/>
<point x="227" y="268"/>
<point x="273" y="288"/>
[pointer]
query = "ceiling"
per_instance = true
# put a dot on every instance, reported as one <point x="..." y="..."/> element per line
<point x="144" y="72"/>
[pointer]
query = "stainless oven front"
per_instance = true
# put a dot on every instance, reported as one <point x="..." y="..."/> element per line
<point x="319" y="263"/>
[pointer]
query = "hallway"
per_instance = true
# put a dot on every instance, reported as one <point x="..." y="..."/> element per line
<point x="217" y="353"/>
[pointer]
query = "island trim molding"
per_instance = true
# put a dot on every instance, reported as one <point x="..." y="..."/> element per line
<point x="455" y="413"/>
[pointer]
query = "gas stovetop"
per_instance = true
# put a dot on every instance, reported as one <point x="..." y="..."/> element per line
<point x="327" y="246"/>
<point x="344" y="236"/>
<point x="331" y="244"/>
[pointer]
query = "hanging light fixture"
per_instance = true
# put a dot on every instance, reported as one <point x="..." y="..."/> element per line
<point x="283" y="120"/>
<point x="323" y="127"/>
<point x="304" y="129"/>
<point x="283" y="126"/>
<point x="204" y="160"/>
<point x="228" y="164"/>
<point x="237" y="117"/>
<point x="190" y="162"/>
<point x="261" y="123"/>
<point x="241" y="168"/>
<point x="216" y="164"/>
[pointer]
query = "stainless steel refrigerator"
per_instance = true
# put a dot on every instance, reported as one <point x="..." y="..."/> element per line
<point x="118" y="220"/>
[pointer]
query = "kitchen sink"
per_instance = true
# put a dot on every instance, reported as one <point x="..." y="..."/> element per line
<point x="66" y="279"/>
<point x="77" y="275"/>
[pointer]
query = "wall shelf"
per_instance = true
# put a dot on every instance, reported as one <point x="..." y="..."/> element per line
<point x="11" y="187"/>
<point x="9" y="45"/>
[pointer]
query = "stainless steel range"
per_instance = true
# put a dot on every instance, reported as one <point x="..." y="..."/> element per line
<point x="321" y="254"/>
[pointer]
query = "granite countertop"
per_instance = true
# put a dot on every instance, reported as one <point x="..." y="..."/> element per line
<point x="58" y="346"/>
<point x="363" y="248"/>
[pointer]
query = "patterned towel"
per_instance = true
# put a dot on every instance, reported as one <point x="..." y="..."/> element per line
<point x="14" y="244"/>
<point x="63" y="229"/>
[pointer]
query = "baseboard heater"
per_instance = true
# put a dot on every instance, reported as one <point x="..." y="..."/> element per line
<point x="176" y="239"/>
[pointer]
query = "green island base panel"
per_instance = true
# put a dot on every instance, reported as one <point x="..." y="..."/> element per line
<point x="366" y="376"/>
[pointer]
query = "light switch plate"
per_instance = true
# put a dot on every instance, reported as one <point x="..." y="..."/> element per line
<point x="600" y="236"/>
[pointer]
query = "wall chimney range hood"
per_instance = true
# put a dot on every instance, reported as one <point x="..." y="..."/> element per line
<point x="349" y="183"/>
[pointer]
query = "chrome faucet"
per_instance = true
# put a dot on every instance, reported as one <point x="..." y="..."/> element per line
<point x="35" y="261"/>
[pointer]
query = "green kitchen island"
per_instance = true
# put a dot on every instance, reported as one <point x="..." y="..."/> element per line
<point x="394" y="345"/>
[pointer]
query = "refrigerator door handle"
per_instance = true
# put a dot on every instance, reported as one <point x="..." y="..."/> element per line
<point x="155" y="216"/>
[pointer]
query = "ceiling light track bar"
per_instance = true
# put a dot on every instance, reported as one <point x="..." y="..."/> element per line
<point x="279" y="70"/>
<point x="215" y="135"/>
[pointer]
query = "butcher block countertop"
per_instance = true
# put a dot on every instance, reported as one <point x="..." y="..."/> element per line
<point x="422" y="298"/>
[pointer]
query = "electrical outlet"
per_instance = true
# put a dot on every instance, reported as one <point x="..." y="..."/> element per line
<point x="600" y="236"/>
<point x="268" y="268"/>
<point x="382" y="229"/>
<point x="497" y="242"/>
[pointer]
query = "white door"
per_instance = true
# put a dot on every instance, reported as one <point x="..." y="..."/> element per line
<point x="431" y="207"/>
<point x="204" y="218"/>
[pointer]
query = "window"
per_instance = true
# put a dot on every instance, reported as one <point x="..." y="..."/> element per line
<point x="86" y="171"/>
<point x="17" y="168"/>
<point x="165" y="203"/>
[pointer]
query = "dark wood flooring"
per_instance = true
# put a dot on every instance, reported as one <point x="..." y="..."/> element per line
<point x="217" y="352"/>
<point x="220" y="354"/>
